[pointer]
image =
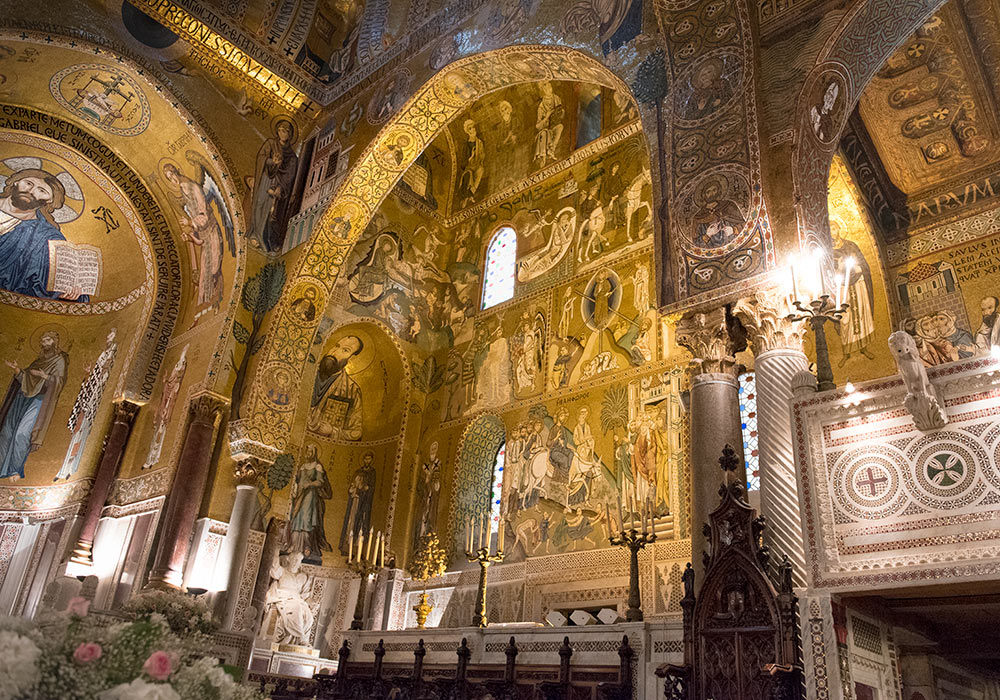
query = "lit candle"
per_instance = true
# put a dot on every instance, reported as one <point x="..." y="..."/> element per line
<point x="837" y="282"/>
<point x="361" y="544"/>
<point x="795" y="281"/>
<point x="368" y="544"/>
<point x="848" y="268"/>
<point x="350" y="547"/>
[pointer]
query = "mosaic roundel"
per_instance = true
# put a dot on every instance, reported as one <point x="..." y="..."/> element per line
<point x="867" y="483"/>
<point x="102" y="96"/>
<point x="944" y="472"/>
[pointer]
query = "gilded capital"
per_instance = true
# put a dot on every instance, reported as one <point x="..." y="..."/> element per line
<point x="706" y="336"/>
<point x="765" y="317"/>
<point x="247" y="470"/>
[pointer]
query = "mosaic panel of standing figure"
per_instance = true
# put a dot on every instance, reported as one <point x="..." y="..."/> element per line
<point x="860" y="335"/>
<point x="354" y="395"/>
<point x="274" y="176"/>
<point x="59" y="386"/>
<point x="207" y="226"/>
<point x="603" y="324"/>
<point x="337" y="499"/>
<point x="505" y="138"/>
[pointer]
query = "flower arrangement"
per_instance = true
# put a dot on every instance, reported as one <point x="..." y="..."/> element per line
<point x="183" y="614"/>
<point x="76" y="655"/>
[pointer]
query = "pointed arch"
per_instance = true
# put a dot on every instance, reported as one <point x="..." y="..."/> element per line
<point x="863" y="42"/>
<point x="376" y="171"/>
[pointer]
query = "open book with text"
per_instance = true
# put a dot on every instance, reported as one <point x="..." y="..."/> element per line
<point x="74" y="265"/>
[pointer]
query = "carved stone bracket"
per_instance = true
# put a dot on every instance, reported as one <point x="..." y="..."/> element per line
<point x="765" y="317"/>
<point x="706" y="336"/>
<point x="242" y="445"/>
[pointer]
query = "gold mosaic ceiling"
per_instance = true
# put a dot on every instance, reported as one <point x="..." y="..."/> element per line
<point x="932" y="110"/>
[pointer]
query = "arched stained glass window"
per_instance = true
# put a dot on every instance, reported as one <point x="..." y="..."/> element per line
<point x="498" y="282"/>
<point x="496" y="497"/>
<point x="748" y="417"/>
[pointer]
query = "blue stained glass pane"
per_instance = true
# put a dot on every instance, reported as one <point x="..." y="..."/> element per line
<point x="748" y="414"/>
<point x="497" y="496"/>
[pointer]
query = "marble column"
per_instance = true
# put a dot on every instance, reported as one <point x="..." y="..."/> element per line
<point x="778" y="358"/>
<point x="122" y="419"/>
<point x="715" y="418"/>
<point x="238" y="535"/>
<point x="186" y="491"/>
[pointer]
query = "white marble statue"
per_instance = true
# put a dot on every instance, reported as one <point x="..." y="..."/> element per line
<point x="921" y="399"/>
<point x="287" y="596"/>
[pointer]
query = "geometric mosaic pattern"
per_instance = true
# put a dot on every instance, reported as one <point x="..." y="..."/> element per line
<point x="885" y="502"/>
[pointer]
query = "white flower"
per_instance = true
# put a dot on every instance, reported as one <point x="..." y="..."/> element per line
<point x="140" y="690"/>
<point x="18" y="664"/>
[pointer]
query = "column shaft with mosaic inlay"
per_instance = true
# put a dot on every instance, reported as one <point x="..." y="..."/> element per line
<point x="714" y="415"/>
<point x="778" y="357"/>
<point x="186" y="491"/>
<point x="122" y="419"/>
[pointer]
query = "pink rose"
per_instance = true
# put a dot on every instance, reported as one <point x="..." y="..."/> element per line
<point x="78" y="606"/>
<point x="87" y="652"/>
<point x="158" y="666"/>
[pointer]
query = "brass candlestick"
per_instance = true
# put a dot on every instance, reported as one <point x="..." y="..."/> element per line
<point x="364" y="559"/>
<point x="818" y="312"/>
<point x="429" y="561"/>
<point x="636" y="536"/>
<point x="484" y="558"/>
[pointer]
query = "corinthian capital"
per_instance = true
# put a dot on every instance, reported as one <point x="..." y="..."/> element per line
<point x="247" y="470"/>
<point x="765" y="317"/>
<point x="206" y="406"/>
<point x="706" y="336"/>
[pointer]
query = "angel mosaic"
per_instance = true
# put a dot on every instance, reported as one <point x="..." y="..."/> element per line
<point x="202" y="228"/>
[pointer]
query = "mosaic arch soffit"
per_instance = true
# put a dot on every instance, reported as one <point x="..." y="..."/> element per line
<point x="380" y="166"/>
<point x="131" y="383"/>
<point x="864" y="41"/>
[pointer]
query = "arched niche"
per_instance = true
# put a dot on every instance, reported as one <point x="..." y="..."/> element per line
<point x="119" y="210"/>
<point x="472" y="488"/>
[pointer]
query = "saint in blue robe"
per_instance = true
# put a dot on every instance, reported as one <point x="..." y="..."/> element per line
<point x="24" y="258"/>
<point x="27" y="409"/>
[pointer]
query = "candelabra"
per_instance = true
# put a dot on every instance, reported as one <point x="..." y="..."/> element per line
<point x="365" y="558"/>
<point x="818" y="308"/>
<point x="636" y="535"/>
<point x="481" y="554"/>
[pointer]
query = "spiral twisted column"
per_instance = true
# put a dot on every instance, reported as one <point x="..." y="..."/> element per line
<point x="778" y="357"/>
<point x="715" y="417"/>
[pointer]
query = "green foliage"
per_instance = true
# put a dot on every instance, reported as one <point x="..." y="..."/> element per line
<point x="429" y="376"/>
<point x="263" y="290"/>
<point x="280" y="473"/>
<point x="614" y="408"/>
<point x="241" y="333"/>
<point x="650" y="84"/>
